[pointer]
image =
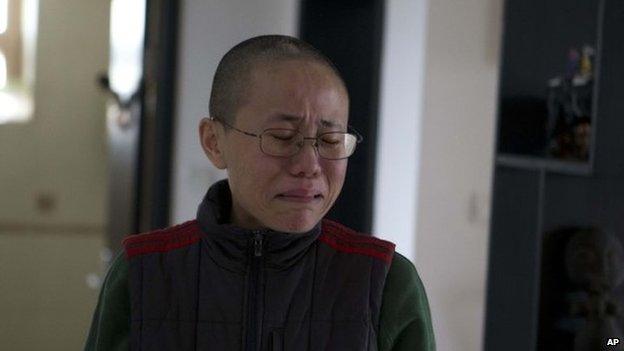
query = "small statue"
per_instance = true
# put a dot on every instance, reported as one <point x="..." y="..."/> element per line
<point x="570" y="107"/>
<point x="595" y="264"/>
<point x="586" y="66"/>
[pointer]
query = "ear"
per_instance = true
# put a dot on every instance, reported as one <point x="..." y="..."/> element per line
<point x="211" y="139"/>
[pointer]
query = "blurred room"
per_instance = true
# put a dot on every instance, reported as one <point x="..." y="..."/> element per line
<point x="483" y="155"/>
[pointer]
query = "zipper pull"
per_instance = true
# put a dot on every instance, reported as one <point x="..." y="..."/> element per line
<point x="257" y="244"/>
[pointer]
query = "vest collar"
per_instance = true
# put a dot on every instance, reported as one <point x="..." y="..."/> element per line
<point x="232" y="246"/>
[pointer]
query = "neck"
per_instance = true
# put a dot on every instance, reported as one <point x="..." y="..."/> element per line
<point x="240" y="218"/>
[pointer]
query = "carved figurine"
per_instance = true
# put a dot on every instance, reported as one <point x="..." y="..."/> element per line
<point x="595" y="264"/>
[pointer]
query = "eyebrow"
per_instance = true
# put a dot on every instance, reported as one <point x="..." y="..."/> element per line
<point x="292" y="118"/>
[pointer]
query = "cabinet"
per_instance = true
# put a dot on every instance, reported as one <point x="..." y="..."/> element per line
<point x="539" y="186"/>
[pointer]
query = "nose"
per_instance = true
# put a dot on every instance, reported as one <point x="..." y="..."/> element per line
<point x="306" y="163"/>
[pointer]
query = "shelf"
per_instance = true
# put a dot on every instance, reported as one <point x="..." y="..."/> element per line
<point x="547" y="164"/>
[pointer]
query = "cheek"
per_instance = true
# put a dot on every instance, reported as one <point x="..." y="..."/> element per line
<point x="335" y="172"/>
<point x="258" y="175"/>
<point x="244" y="167"/>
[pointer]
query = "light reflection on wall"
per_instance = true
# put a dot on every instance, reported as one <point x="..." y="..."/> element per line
<point x="14" y="107"/>
<point x="126" y="54"/>
<point x="3" y="71"/>
<point x="16" y="101"/>
<point x="4" y="15"/>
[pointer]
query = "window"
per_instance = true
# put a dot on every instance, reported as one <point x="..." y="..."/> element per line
<point x="17" y="29"/>
<point x="7" y="43"/>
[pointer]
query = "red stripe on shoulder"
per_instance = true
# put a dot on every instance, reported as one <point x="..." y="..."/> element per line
<point x="345" y="239"/>
<point x="163" y="240"/>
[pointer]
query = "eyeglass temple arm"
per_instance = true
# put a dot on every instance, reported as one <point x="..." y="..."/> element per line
<point x="359" y="137"/>
<point x="231" y="126"/>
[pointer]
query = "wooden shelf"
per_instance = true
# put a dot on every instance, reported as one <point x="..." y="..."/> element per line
<point x="548" y="164"/>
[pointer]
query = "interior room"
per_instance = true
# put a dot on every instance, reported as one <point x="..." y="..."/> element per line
<point x="490" y="154"/>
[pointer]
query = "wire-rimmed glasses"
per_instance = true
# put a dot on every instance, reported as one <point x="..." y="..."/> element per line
<point x="284" y="142"/>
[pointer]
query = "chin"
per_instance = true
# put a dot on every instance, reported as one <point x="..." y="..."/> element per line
<point x="296" y="224"/>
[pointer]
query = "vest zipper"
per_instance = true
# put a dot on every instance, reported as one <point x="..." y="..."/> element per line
<point x="254" y="312"/>
<point x="257" y="244"/>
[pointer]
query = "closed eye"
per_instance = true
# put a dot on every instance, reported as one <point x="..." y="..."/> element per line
<point x="332" y="139"/>
<point x="285" y="138"/>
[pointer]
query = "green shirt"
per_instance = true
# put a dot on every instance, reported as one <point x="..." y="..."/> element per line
<point x="404" y="325"/>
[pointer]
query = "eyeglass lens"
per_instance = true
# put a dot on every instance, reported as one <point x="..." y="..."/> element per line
<point x="288" y="142"/>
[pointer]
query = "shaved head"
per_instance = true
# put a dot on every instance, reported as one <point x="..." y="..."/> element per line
<point x="234" y="72"/>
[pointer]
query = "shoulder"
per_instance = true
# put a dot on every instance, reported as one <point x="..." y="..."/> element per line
<point x="405" y="321"/>
<point x="118" y="271"/>
<point x="110" y="325"/>
<point x="116" y="281"/>
<point x="115" y="287"/>
<point x="345" y="239"/>
<point x="403" y="280"/>
<point x="404" y="268"/>
<point x="162" y="240"/>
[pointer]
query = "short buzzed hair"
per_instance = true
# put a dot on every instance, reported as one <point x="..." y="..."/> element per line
<point x="234" y="70"/>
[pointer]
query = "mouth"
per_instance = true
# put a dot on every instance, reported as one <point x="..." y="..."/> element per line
<point x="300" y="196"/>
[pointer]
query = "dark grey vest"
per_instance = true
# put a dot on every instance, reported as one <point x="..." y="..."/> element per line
<point x="204" y="285"/>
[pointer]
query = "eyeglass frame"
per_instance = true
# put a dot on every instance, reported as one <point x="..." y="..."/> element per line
<point x="352" y="131"/>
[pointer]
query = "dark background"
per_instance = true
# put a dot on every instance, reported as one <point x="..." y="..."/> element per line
<point x="530" y="202"/>
<point x="350" y="33"/>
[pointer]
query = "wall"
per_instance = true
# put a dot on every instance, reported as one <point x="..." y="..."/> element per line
<point x="60" y="154"/>
<point x="209" y="29"/>
<point x="399" y="138"/>
<point x="461" y="74"/>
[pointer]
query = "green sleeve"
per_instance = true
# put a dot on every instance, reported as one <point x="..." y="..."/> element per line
<point x="110" y="327"/>
<point x="405" y="320"/>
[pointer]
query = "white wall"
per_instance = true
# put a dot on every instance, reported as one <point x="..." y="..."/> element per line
<point x="61" y="150"/>
<point x="457" y="141"/>
<point x="398" y="144"/>
<point x="45" y="255"/>
<point x="208" y="30"/>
